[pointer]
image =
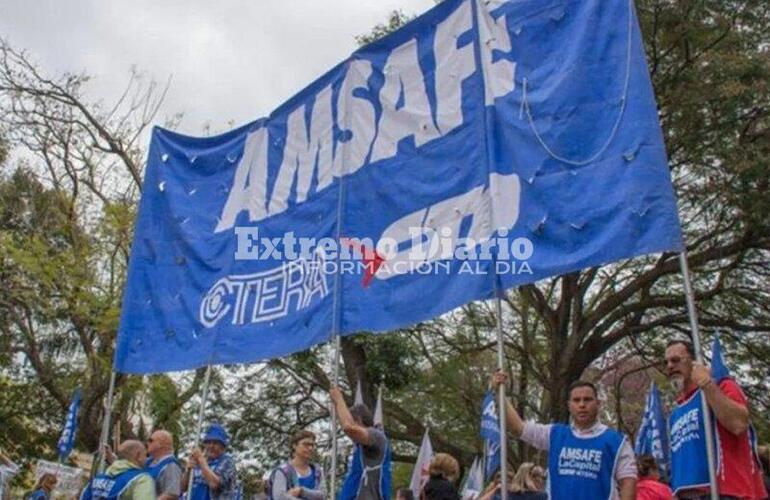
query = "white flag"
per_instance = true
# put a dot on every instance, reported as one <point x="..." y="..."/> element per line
<point x="378" y="411"/>
<point x="474" y="482"/>
<point x="359" y="394"/>
<point x="420" y="472"/>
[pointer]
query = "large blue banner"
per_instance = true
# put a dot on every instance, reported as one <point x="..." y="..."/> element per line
<point x="484" y="145"/>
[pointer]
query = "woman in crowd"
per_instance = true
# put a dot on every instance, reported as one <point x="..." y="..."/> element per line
<point x="649" y="486"/>
<point x="43" y="488"/>
<point x="299" y="477"/>
<point x="444" y="471"/>
<point x="527" y="484"/>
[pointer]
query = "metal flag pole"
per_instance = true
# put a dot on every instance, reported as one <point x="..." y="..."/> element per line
<point x="333" y="416"/>
<point x="104" y="436"/>
<point x="199" y="431"/>
<point x="336" y="320"/>
<point x="693" y="314"/>
<point x="501" y="400"/>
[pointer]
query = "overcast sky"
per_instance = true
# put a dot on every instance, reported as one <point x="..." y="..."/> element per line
<point x="230" y="60"/>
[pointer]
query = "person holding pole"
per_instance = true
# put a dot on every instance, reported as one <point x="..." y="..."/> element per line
<point x="364" y="480"/>
<point x="214" y="473"/>
<point x="738" y="473"/>
<point x="125" y="479"/>
<point x="163" y="466"/>
<point x="586" y="459"/>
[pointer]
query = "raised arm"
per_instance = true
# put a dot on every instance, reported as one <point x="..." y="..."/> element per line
<point x="358" y="433"/>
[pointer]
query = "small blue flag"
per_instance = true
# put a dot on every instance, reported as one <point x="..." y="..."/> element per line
<point x="719" y="370"/>
<point x="490" y="431"/>
<point x="653" y="438"/>
<point x="67" y="439"/>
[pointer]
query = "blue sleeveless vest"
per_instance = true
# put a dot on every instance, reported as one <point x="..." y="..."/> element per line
<point x="689" y="465"/>
<point x="200" y="489"/>
<point x="157" y="469"/>
<point x="311" y="481"/>
<point x="106" y="487"/>
<point x="582" y="468"/>
<point x="356" y="470"/>
<point x="38" y="495"/>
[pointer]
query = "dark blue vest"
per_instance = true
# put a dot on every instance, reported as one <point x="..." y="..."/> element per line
<point x="689" y="464"/>
<point x="357" y="469"/>
<point x="106" y="487"/>
<point x="157" y="469"/>
<point x="582" y="468"/>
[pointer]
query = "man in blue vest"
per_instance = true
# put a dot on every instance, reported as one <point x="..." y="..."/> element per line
<point x="366" y="479"/>
<point x="586" y="459"/>
<point x="738" y="473"/>
<point x="163" y="466"/>
<point x="125" y="479"/>
<point x="214" y="473"/>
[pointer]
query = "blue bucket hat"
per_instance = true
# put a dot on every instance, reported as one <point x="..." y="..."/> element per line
<point x="216" y="432"/>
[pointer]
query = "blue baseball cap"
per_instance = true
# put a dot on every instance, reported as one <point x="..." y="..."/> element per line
<point x="216" y="432"/>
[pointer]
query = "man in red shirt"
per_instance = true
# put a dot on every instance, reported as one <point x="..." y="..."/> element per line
<point x="739" y="475"/>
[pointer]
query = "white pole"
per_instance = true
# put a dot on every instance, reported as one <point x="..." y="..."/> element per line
<point x="693" y="314"/>
<point x="501" y="403"/>
<point x="333" y="416"/>
<point x="106" y="423"/>
<point x="336" y="320"/>
<point x="199" y="431"/>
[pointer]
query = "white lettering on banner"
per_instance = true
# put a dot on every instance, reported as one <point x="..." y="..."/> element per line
<point x="309" y="146"/>
<point x="267" y="295"/>
<point x="453" y="65"/>
<point x="419" y="234"/>
<point x="685" y="429"/>
<point x="498" y="75"/>
<point x="249" y="191"/>
<point x="404" y="83"/>
<point x="355" y="116"/>
<point x="580" y="462"/>
<point x="303" y="152"/>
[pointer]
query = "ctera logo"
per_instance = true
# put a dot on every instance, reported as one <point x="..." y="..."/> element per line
<point x="460" y="228"/>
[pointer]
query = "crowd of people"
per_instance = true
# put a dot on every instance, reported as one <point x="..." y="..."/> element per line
<point x="586" y="460"/>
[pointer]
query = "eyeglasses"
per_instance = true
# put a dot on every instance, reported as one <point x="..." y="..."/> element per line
<point x="308" y="444"/>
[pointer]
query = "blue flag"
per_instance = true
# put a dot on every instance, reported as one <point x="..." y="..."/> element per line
<point x="652" y="438"/>
<point x="490" y="431"/>
<point x="67" y="439"/>
<point x="719" y="370"/>
<point x="482" y="146"/>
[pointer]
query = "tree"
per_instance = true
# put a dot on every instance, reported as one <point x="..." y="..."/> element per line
<point x="66" y="213"/>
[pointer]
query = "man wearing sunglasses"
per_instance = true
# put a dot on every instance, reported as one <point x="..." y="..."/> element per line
<point x="163" y="466"/>
<point x="738" y="473"/>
